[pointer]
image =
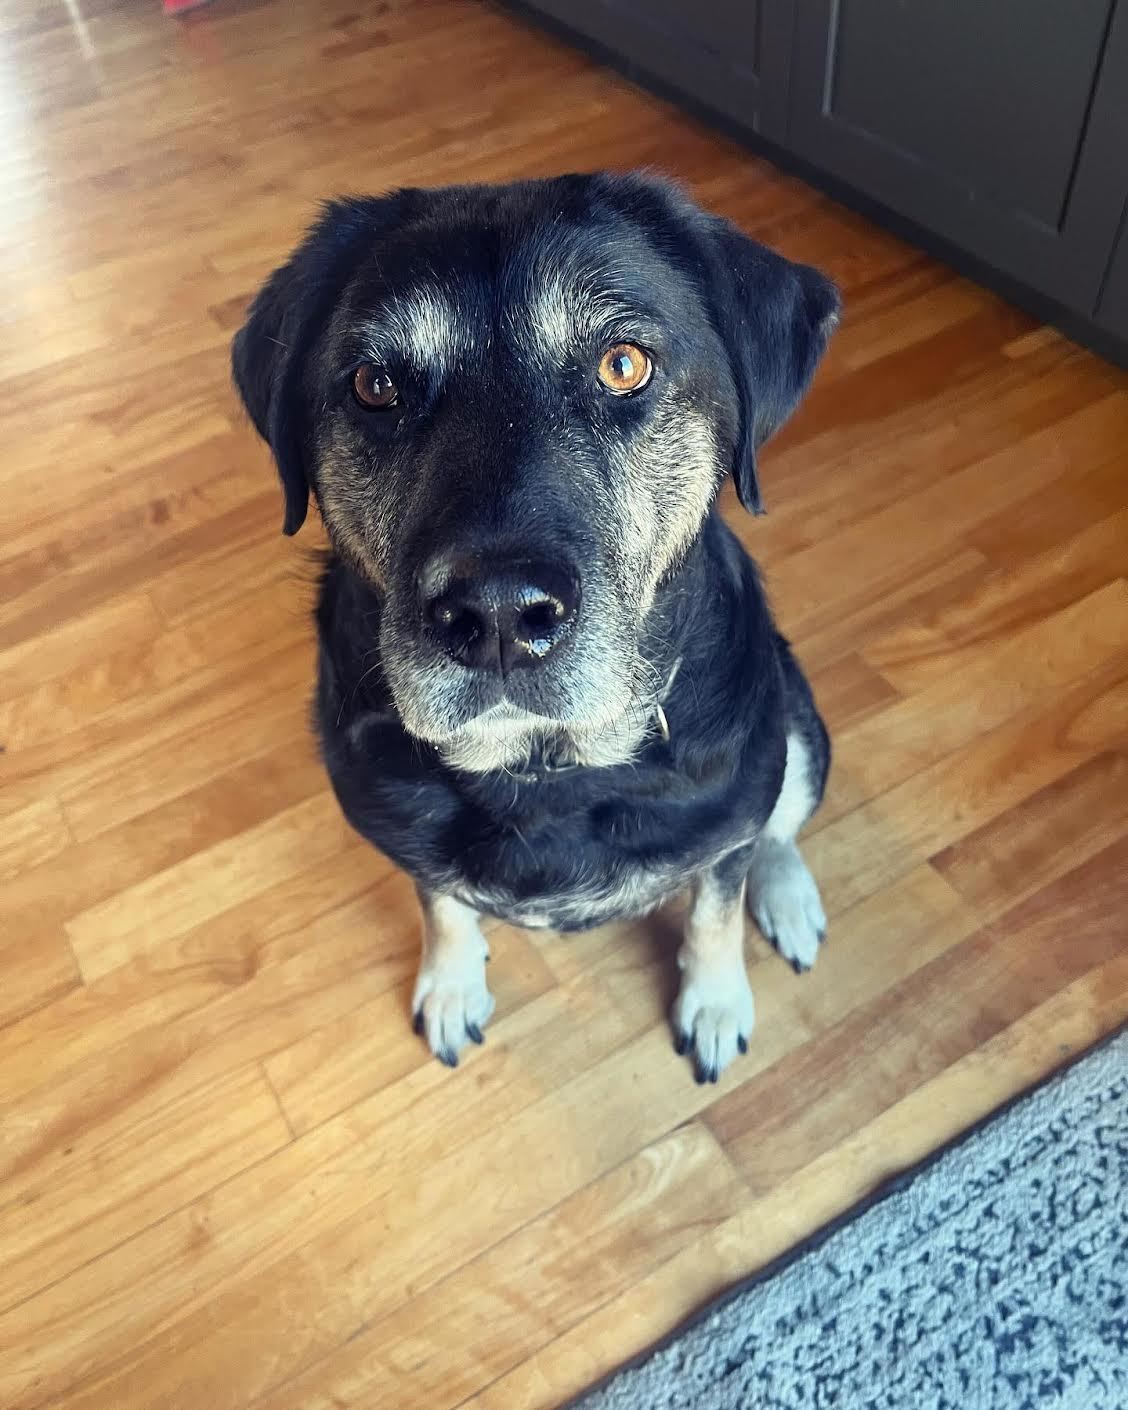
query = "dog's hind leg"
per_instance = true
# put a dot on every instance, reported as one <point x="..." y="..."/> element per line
<point x="782" y="895"/>
<point x="451" y="1004"/>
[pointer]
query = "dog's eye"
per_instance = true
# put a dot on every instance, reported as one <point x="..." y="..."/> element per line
<point x="374" y="388"/>
<point x="625" y="368"/>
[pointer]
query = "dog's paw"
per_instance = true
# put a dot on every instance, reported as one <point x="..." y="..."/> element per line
<point x="713" y="1017"/>
<point x="785" y="903"/>
<point x="452" y="1005"/>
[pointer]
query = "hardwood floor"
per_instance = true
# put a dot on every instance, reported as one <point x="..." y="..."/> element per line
<point x="231" y="1176"/>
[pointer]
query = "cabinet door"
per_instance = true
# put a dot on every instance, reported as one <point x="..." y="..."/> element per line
<point x="732" y="55"/>
<point x="1112" y="313"/>
<point x="1000" y="125"/>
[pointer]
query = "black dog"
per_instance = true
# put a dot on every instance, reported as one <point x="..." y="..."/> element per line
<point x="550" y="686"/>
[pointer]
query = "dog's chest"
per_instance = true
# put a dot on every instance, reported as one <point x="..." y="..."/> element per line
<point x="563" y="869"/>
<point x="590" y="901"/>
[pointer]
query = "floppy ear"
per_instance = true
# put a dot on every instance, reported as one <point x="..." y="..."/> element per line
<point x="269" y="351"/>
<point x="776" y="318"/>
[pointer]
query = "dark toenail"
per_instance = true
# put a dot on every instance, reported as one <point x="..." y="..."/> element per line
<point x="474" y="1033"/>
<point x="448" y="1057"/>
<point x="681" y="1044"/>
<point x="799" y="967"/>
<point x="742" y="1043"/>
<point x="417" y="1022"/>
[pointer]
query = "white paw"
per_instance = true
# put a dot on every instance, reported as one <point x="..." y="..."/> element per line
<point x="784" y="901"/>
<point x="451" y="1003"/>
<point x="713" y="1017"/>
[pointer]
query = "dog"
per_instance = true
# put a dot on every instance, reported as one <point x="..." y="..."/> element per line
<point x="549" y="683"/>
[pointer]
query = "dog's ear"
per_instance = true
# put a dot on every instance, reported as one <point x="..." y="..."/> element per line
<point x="776" y="318"/>
<point x="269" y="352"/>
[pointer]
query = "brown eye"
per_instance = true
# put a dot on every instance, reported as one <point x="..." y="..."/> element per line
<point x="373" y="388"/>
<point x="625" y="368"/>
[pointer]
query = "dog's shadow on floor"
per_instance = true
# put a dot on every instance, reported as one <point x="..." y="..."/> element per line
<point x="662" y="934"/>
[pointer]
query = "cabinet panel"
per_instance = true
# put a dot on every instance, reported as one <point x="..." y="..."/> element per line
<point x="993" y="97"/>
<point x="732" y="55"/>
<point x="1112" y="315"/>
<point x="1002" y="127"/>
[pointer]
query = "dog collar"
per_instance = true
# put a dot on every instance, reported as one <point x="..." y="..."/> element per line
<point x="545" y="760"/>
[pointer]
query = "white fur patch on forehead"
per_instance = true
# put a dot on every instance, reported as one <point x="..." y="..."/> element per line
<point x="423" y="325"/>
<point x="564" y="310"/>
<point x="570" y="288"/>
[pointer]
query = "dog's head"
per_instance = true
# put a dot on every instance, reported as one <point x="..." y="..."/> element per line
<point x="514" y="406"/>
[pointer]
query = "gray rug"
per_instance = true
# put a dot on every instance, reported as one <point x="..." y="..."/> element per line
<point x="994" y="1278"/>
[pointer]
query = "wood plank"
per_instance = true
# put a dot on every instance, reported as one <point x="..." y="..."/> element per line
<point x="32" y="834"/>
<point x="172" y="495"/>
<point x="168" y="903"/>
<point x="929" y="1117"/>
<point x="1038" y="840"/>
<point x="861" y="559"/>
<point x="849" y="689"/>
<point x="921" y="652"/>
<point x="984" y="688"/>
<point x="1067" y="506"/>
<point x="893" y="329"/>
<point x="75" y="698"/>
<point x="823" y="475"/>
<point x="237" y="798"/>
<point x="103" y="1186"/>
<point x="99" y="1316"/>
<point x="931" y="1020"/>
<point x="906" y="596"/>
<point x="153" y="748"/>
<point x="132" y="621"/>
<point x="252" y="1016"/>
<point x="855" y="855"/>
<point x="372" y="1182"/>
<point x="585" y="1250"/>
<point x="364" y="1050"/>
<point x="205" y="964"/>
<point x="136" y="567"/>
<point x="34" y="970"/>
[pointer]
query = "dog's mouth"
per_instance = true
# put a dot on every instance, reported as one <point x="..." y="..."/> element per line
<point x="498" y="718"/>
<point x="442" y="700"/>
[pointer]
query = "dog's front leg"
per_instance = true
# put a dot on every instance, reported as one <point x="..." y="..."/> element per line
<point x="714" y="1010"/>
<point x="451" y="1003"/>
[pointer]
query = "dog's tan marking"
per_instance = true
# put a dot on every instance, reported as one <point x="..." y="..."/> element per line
<point x="714" y="1011"/>
<point x="667" y="478"/>
<point x="451" y="995"/>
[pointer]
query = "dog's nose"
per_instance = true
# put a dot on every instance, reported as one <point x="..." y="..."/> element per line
<point x="496" y="617"/>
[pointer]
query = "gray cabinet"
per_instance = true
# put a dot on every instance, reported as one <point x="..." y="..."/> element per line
<point x="1112" y="312"/>
<point x="1000" y="126"/>
<point x="997" y="130"/>
<point x="732" y="55"/>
